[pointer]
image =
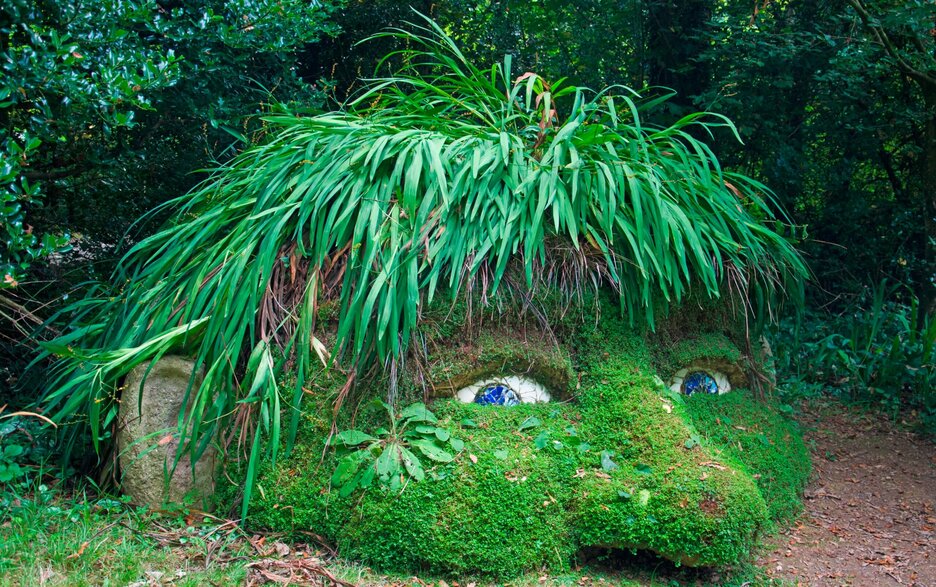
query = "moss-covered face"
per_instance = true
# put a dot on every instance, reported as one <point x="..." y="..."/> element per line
<point x="615" y="457"/>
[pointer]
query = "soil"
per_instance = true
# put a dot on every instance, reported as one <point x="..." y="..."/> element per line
<point x="870" y="517"/>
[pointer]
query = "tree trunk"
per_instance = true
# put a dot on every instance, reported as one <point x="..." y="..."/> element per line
<point x="674" y="43"/>
<point x="928" y="187"/>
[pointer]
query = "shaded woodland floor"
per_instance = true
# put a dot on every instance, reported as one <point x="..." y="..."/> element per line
<point x="870" y="516"/>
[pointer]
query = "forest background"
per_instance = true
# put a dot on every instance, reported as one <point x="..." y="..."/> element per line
<point x="110" y="109"/>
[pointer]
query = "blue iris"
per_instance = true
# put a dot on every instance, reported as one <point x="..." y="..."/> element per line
<point x="497" y="395"/>
<point x="699" y="382"/>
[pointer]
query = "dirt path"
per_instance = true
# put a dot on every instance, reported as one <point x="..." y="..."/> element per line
<point x="870" y="515"/>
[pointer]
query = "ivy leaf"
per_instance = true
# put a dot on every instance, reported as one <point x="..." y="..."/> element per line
<point x="624" y="495"/>
<point x="12" y="451"/>
<point x="606" y="463"/>
<point x="531" y="422"/>
<point x="501" y="454"/>
<point x="584" y="447"/>
<point x="457" y="444"/>
<point x="542" y="440"/>
<point x="643" y="469"/>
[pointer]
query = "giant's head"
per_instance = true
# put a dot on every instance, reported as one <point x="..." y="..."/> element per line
<point x="515" y="448"/>
<point x="467" y="237"/>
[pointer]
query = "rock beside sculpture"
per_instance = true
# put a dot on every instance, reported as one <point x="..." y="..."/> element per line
<point x="148" y="437"/>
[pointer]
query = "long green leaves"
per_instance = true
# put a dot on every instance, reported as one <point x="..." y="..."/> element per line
<point x="423" y="183"/>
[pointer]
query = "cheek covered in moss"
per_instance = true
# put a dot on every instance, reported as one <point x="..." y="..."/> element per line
<point x="670" y="493"/>
<point x="499" y="509"/>
<point x="762" y="440"/>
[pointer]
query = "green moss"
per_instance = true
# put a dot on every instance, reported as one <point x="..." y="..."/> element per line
<point x="755" y="433"/>
<point x="625" y="463"/>
<point x="496" y="352"/>
<point x="669" y="494"/>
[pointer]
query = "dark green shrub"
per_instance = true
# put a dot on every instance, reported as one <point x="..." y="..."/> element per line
<point x="882" y="353"/>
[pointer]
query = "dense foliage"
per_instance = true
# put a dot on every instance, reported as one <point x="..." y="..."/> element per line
<point x="106" y="109"/>
<point x="879" y="353"/>
<point x="833" y="101"/>
<point x="109" y="105"/>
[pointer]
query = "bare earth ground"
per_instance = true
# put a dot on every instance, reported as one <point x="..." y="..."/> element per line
<point x="870" y="516"/>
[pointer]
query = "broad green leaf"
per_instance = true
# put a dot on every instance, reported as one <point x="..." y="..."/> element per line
<point x="432" y="450"/>
<point x="606" y="463"/>
<point x="531" y="422"/>
<point x="351" y="438"/>
<point x="413" y="467"/>
<point x="346" y="468"/>
<point x="417" y="412"/>
<point x="388" y="463"/>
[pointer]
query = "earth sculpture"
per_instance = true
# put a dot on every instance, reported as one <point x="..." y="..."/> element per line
<point x="494" y="258"/>
<point x="569" y="439"/>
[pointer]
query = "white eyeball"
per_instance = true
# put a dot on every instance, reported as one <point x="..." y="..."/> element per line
<point x="504" y="391"/>
<point x="699" y="379"/>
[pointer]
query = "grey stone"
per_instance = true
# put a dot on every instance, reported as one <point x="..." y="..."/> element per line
<point x="148" y="437"/>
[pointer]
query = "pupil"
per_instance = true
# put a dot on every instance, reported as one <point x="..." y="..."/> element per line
<point x="699" y="382"/>
<point x="497" y="395"/>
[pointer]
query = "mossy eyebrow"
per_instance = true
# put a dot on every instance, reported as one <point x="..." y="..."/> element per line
<point x="492" y="357"/>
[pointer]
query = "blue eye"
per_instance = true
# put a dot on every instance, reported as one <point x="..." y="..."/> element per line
<point x="497" y="395"/>
<point x="699" y="382"/>
<point x="700" y="378"/>
<point x="504" y="391"/>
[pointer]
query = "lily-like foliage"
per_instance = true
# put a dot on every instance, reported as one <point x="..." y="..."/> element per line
<point x="435" y="176"/>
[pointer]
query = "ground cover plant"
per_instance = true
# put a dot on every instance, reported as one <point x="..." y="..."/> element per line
<point x="57" y="538"/>
<point x="834" y="102"/>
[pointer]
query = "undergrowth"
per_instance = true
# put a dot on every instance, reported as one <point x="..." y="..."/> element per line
<point x="51" y="537"/>
<point x="880" y="353"/>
